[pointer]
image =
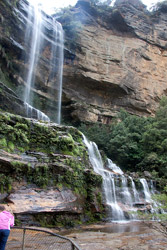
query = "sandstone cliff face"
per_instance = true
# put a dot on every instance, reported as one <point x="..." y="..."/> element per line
<point x="121" y="63"/>
<point x="114" y="58"/>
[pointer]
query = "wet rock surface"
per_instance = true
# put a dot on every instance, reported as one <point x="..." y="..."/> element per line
<point x="134" y="235"/>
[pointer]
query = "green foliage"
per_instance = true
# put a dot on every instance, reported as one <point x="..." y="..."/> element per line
<point x="40" y="176"/>
<point x="161" y="199"/>
<point x="3" y="143"/>
<point x="125" y="138"/>
<point x="5" y="183"/>
<point x="135" y="143"/>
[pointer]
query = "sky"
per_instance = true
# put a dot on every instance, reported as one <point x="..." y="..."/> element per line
<point x="49" y="5"/>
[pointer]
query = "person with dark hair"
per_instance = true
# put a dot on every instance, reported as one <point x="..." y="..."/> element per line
<point x="6" y="221"/>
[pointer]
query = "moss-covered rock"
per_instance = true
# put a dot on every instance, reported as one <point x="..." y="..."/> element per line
<point x="45" y="156"/>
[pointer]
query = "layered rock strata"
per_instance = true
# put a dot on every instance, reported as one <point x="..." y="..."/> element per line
<point x="45" y="169"/>
<point x="114" y="58"/>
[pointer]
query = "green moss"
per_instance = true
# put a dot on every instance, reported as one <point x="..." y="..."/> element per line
<point x="5" y="183"/>
<point x="64" y="166"/>
<point x="21" y="126"/>
<point x="11" y="146"/>
<point x="3" y="143"/>
<point x="40" y="176"/>
<point x="17" y="164"/>
<point x="59" y="186"/>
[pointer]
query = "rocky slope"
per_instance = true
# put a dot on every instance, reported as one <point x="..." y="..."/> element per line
<point x="45" y="174"/>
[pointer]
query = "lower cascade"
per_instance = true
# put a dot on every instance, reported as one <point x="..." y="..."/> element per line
<point x="123" y="195"/>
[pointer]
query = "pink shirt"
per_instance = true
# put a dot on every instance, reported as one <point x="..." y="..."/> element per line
<point x="6" y="220"/>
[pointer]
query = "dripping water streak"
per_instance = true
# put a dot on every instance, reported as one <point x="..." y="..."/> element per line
<point x="60" y="55"/>
<point x="36" y="27"/>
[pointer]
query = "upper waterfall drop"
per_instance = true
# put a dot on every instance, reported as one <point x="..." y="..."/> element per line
<point x="33" y="34"/>
<point x="43" y="32"/>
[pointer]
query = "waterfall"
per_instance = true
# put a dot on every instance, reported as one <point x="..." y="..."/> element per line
<point x="56" y="63"/>
<point x="108" y="180"/>
<point x="37" y="28"/>
<point x="135" y="192"/>
<point x="146" y="190"/>
<point x="114" y="167"/>
<point x="127" y="198"/>
<point x="122" y="199"/>
<point x="34" y="24"/>
<point x="152" y="188"/>
<point x="35" y="113"/>
<point x="154" y="207"/>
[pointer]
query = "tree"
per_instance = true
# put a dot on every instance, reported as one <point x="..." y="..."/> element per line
<point x="135" y="143"/>
<point x="154" y="141"/>
<point x="124" y="145"/>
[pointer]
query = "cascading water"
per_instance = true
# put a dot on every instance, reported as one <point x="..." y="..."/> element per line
<point x="152" y="188"/>
<point x="135" y="192"/>
<point x="121" y="197"/>
<point x="146" y="190"/>
<point x="110" y="191"/>
<point x="38" y="24"/>
<point x="126" y="195"/>
<point x="33" y="112"/>
<point x="108" y="180"/>
<point x="114" y="167"/>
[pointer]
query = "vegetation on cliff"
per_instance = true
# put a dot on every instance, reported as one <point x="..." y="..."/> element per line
<point x="48" y="156"/>
<point x="135" y="143"/>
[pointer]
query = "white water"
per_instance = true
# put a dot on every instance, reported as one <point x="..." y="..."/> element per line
<point x="108" y="180"/>
<point x="35" y="37"/>
<point x="114" y="167"/>
<point x="152" y="188"/>
<point x="33" y="31"/>
<point x="154" y="207"/>
<point x="135" y="192"/>
<point x="146" y="190"/>
<point x="35" y="113"/>
<point x="56" y="64"/>
<point x="121" y="197"/>
<point x="127" y="198"/>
